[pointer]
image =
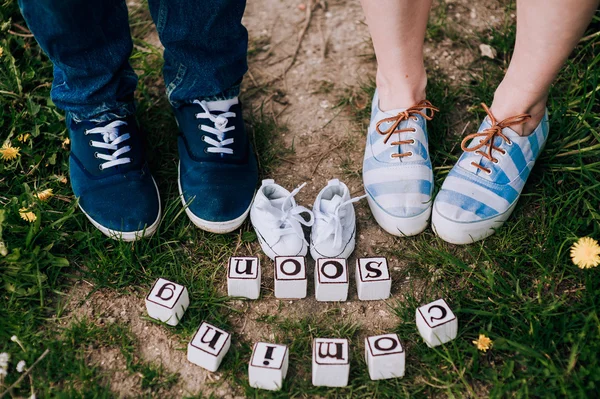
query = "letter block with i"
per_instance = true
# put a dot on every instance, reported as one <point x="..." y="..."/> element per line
<point x="167" y="301"/>
<point x="331" y="362"/>
<point x="208" y="347"/>
<point x="243" y="277"/>
<point x="384" y="356"/>
<point x="290" y="277"/>
<point x="373" y="280"/>
<point x="331" y="279"/>
<point x="268" y="366"/>
<point x="436" y="323"/>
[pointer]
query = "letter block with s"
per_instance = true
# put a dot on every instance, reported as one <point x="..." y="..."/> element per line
<point x="385" y="356"/>
<point x="330" y="362"/>
<point x="208" y="347"/>
<point x="436" y="323"/>
<point x="373" y="281"/>
<point x="167" y="301"/>
<point x="290" y="277"/>
<point x="244" y="276"/>
<point x="331" y="279"/>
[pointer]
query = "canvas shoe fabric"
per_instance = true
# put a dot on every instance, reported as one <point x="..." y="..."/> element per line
<point x="333" y="234"/>
<point x="278" y="221"/>
<point x="111" y="179"/>
<point x="218" y="172"/>
<point x="397" y="171"/>
<point x="483" y="187"/>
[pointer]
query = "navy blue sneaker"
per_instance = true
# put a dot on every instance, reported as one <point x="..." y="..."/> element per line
<point x="217" y="168"/>
<point x="111" y="178"/>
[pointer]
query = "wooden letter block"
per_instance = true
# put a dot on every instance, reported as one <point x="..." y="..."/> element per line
<point x="373" y="279"/>
<point x="331" y="362"/>
<point x="385" y="356"/>
<point x="436" y="323"/>
<point x="290" y="277"/>
<point x="268" y="366"/>
<point x="331" y="279"/>
<point x="208" y="347"/>
<point x="243" y="277"/>
<point x="167" y="301"/>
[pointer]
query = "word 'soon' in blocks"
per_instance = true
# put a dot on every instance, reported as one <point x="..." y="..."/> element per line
<point x="268" y="366"/>
<point x="331" y="362"/>
<point x="331" y="280"/>
<point x="436" y="323"/>
<point x="385" y="356"/>
<point x="208" y="347"/>
<point x="373" y="280"/>
<point x="243" y="277"/>
<point x="290" y="277"/>
<point x="167" y="301"/>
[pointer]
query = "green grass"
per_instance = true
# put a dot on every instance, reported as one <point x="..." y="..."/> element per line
<point x="518" y="287"/>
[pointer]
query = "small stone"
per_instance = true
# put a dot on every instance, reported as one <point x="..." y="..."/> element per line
<point x="487" y="51"/>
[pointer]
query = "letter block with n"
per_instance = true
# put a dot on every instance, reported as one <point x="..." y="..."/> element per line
<point x="243" y="277"/>
<point x="331" y="362"/>
<point x="167" y="301"/>
<point x="208" y="347"/>
<point x="384" y="356"/>
<point x="331" y="279"/>
<point x="373" y="281"/>
<point x="290" y="277"/>
<point x="437" y="323"/>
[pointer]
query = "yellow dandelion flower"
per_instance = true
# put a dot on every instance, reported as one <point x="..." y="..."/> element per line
<point x="1" y="52"/>
<point x="23" y="137"/>
<point x="61" y="179"/>
<point x="585" y="253"/>
<point x="65" y="143"/>
<point x="483" y="343"/>
<point x="8" y="152"/>
<point x="27" y="215"/>
<point x="44" y="194"/>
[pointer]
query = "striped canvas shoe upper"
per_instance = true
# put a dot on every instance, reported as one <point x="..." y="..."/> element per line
<point x="397" y="170"/>
<point x="479" y="188"/>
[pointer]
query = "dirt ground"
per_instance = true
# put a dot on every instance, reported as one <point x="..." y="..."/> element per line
<point x="335" y="57"/>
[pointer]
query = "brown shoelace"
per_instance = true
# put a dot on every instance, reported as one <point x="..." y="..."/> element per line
<point x="488" y="136"/>
<point x="418" y="109"/>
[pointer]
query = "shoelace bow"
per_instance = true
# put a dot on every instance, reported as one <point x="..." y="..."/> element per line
<point x="284" y="218"/>
<point x="220" y="121"/>
<point x="111" y="140"/>
<point x="418" y="109"/>
<point x="488" y="137"/>
<point x="332" y="223"/>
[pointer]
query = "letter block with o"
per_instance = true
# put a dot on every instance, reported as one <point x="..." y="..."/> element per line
<point x="437" y="323"/>
<point x="243" y="277"/>
<point x="268" y="366"/>
<point x="384" y="356"/>
<point x="373" y="281"/>
<point x="167" y="301"/>
<point x="208" y="347"/>
<point x="331" y="279"/>
<point x="290" y="277"/>
<point x="330" y="362"/>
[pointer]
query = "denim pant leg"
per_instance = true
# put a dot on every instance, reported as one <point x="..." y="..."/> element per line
<point x="205" y="47"/>
<point x="89" y="44"/>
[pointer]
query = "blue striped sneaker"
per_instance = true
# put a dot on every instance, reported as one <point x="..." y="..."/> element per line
<point x="482" y="189"/>
<point x="397" y="172"/>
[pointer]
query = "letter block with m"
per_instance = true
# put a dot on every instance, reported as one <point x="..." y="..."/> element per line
<point x="373" y="281"/>
<point x="208" y="347"/>
<point x="331" y="362"/>
<point x="244" y="276"/>
<point x="167" y="301"/>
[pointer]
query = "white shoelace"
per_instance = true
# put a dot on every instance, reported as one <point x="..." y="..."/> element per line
<point x="220" y="121"/>
<point x="112" y="139"/>
<point x="329" y="223"/>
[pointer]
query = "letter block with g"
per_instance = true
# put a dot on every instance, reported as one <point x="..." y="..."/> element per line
<point x="167" y="301"/>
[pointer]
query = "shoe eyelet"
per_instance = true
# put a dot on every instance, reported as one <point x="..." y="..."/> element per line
<point x="414" y="130"/>
<point x="488" y="173"/>
<point x="205" y="150"/>
<point x="90" y="143"/>
<point x="100" y="167"/>
<point x="200" y="126"/>
<point x="95" y="155"/>
<point x="414" y="118"/>
<point x="203" y="138"/>
<point x="413" y="142"/>
<point x="509" y="143"/>
<point x="411" y="154"/>
<point x="495" y="160"/>
<point x="85" y="132"/>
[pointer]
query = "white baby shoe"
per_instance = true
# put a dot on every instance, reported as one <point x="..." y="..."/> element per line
<point x="278" y="222"/>
<point x="334" y="231"/>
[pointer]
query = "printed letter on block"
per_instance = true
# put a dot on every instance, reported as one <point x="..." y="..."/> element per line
<point x="385" y="356"/>
<point x="373" y="279"/>
<point x="208" y="347"/>
<point x="268" y="366"/>
<point x="243" y="277"/>
<point x="331" y="362"/>
<point x="290" y="277"/>
<point x="167" y="301"/>
<point x="436" y="323"/>
<point x="331" y="279"/>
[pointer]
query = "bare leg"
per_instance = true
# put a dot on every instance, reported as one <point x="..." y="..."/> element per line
<point x="547" y="32"/>
<point x="398" y="31"/>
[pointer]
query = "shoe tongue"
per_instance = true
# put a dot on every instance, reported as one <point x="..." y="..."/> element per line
<point x="278" y="203"/>
<point x="329" y="206"/>
<point x="221" y="105"/>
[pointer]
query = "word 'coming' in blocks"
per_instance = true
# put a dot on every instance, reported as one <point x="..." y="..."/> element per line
<point x="243" y="277"/>
<point x="208" y="347"/>
<point x="268" y="366"/>
<point x="330" y="362"/>
<point x="290" y="277"/>
<point x="384" y="356"/>
<point x="373" y="281"/>
<point x="167" y="301"/>
<point x="331" y="279"/>
<point x="436" y="323"/>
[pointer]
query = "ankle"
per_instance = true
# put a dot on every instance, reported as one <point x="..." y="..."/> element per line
<point x="511" y="102"/>
<point x="400" y="92"/>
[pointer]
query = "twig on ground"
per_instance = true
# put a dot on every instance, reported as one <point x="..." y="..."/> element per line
<point x="329" y="151"/>
<point x="310" y="8"/>
<point x="25" y="374"/>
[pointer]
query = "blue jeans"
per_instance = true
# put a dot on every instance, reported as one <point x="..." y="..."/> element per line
<point x="89" y="44"/>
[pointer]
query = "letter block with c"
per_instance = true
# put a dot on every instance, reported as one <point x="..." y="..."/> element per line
<point x="167" y="301"/>
<point x="436" y="323"/>
<point x="384" y="356"/>
<point x="330" y="362"/>
<point x="244" y="276"/>
<point x="290" y="277"/>
<point x="208" y="347"/>
<point x="331" y="279"/>
<point x="373" y="281"/>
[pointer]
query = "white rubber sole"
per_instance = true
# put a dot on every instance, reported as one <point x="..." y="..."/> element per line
<point x="213" y="227"/>
<point x="345" y="253"/>
<point x="271" y="254"/>
<point x="467" y="232"/>
<point x="129" y="236"/>
<point x="399" y="226"/>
